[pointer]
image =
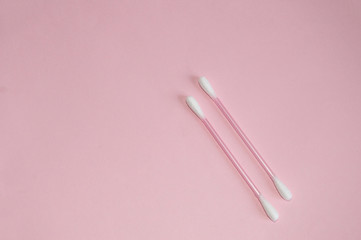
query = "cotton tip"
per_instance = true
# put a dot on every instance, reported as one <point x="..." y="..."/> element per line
<point x="207" y="87"/>
<point x="269" y="209"/>
<point x="282" y="189"/>
<point x="193" y="104"/>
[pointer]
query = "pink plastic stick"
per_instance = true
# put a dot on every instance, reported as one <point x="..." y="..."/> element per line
<point x="281" y="188"/>
<point x="231" y="157"/>
<point x="269" y="209"/>
<point x="244" y="138"/>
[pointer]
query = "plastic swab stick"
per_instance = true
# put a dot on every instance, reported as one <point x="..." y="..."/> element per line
<point x="268" y="208"/>
<point x="281" y="188"/>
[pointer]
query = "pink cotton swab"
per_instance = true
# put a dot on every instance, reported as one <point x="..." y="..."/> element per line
<point x="281" y="188"/>
<point x="268" y="208"/>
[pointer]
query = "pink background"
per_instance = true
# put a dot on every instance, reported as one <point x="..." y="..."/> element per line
<point x="97" y="142"/>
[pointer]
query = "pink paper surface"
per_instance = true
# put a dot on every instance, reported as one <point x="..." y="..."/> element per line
<point x="98" y="143"/>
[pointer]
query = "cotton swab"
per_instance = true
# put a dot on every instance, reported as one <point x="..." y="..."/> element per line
<point x="268" y="208"/>
<point x="281" y="188"/>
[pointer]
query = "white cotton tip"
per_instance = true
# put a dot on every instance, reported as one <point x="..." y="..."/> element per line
<point x="207" y="87"/>
<point x="282" y="189"/>
<point x="269" y="209"/>
<point x="193" y="104"/>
